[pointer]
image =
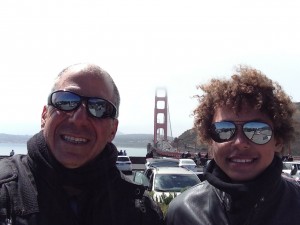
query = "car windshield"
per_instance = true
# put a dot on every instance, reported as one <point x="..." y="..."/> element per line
<point x="297" y="165"/>
<point x="163" y="164"/>
<point x="187" y="162"/>
<point x="287" y="166"/>
<point x="174" y="182"/>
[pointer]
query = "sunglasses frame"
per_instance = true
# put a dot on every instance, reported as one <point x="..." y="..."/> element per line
<point x="85" y="99"/>
<point x="216" y="138"/>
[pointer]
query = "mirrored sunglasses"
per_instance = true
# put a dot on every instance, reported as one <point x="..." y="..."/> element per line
<point x="258" y="132"/>
<point x="68" y="101"/>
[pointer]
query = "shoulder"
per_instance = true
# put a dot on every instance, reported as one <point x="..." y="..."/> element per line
<point x="14" y="172"/>
<point x="8" y="169"/>
<point x="126" y="187"/>
<point x="8" y="178"/>
<point x="291" y="186"/>
<point x="148" y="210"/>
<point x="287" y="209"/>
<point x="193" y="194"/>
<point x="192" y="198"/>
<point x="195" y="205"/>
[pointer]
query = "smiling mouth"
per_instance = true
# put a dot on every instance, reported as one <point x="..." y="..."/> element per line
<point x="74" y="140"/>
<point x="242" y="160"/>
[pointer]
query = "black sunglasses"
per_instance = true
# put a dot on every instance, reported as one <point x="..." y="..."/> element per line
<point x="69" y="101"/>
<point x="258" y="132"/>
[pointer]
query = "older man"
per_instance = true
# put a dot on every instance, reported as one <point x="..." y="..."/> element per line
<point x="69" y="174"/>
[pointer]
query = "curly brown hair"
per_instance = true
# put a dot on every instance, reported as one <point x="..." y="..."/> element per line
<point x="250" y="86"/>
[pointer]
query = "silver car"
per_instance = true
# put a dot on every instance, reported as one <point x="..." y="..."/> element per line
<point x="124" y="164"/>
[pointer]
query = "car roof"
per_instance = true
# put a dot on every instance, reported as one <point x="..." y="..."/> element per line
<point x="173" y="170"/>
<point x="182" y="160"/>
<point x="161" y="159"/>
<point x="123" y="156"/>
<point x="292" y="162"/>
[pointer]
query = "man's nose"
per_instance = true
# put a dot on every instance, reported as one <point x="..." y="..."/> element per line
<point x="80" y="113"/>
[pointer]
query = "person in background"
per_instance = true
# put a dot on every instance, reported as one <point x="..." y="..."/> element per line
<point x="12" y="153"/>
<point x="188" y="155"/>
<point x="247" y="123"/>
<point x="149" y="155"/>
<point x="69" y="175"/>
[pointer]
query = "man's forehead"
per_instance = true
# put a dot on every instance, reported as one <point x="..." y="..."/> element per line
<point x="87" y="84"/>
<point x="83" y="74"/>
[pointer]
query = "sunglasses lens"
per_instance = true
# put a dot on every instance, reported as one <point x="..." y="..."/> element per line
<point x="101" y="108"/>
<point x="68" y="101"/>
<point x="65" y="101"/>
<point x="222" y="131"/>
<point x="258" y="132"/>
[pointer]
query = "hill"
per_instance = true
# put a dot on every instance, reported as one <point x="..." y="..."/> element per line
<point x="133" y="140"/>
<point x="12" y="138"/>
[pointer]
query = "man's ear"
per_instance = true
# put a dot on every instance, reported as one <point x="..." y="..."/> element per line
<point x="114" y="129"/>
<point x="44" y="117"/>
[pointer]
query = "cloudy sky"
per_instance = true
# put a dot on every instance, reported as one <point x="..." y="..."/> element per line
<point x="143" y="45"/>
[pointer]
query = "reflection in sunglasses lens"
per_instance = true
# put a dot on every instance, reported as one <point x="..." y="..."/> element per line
<point x="257" y="132"/>
<point x="65" y="100"/>
<point x="96" y="107"/>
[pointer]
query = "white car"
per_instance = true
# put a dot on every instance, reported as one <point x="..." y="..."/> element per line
<point x="161" y="162"/>
<point x="188" y="163"/>
<point x="124" y="164"/>
<point x="166" y="181"/>
<point x="291" y="167"/>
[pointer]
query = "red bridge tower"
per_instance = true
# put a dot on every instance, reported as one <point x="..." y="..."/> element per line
<point x="160" y="115"/>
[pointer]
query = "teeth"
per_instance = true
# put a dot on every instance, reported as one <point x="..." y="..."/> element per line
<point x="242" y="160"/>
<point x="74" y="140"/>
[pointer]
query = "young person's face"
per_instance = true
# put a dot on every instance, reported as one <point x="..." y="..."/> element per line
<point x="240" y="158"/>
<point x="75" y="138"/>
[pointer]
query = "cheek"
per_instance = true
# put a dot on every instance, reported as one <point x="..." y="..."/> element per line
<point x="105" y="129"/>
<point x="52" y="120"/>
<point x="218" y="149"/>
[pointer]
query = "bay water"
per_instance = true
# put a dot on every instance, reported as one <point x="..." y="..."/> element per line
<point x="21" y="148"/>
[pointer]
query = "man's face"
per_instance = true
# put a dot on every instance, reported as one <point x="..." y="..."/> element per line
<point x="75" y="138"/>
<point x="240" y="158"/>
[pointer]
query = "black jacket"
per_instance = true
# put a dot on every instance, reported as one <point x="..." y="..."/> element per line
<point x="33" y="192"/>
<point x="269" y="200"/>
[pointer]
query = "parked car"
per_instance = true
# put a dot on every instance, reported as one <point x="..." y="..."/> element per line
<point x="292" y="168"/>
<point x="124" y="164"/>
<point x="166" y="180"/>
<point x="161" y="162"/>
<point x="188" y="163"/>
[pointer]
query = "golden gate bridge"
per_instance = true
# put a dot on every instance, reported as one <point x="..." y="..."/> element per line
<point x="161" y="144"/>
